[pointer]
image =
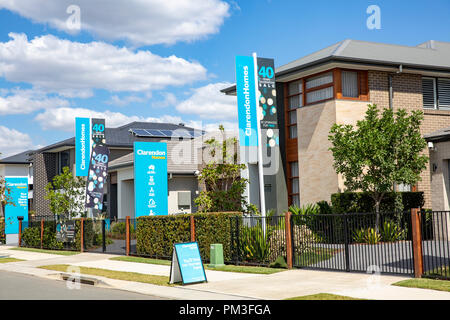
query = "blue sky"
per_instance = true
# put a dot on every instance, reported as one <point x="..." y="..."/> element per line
<point x="117" y="65"/>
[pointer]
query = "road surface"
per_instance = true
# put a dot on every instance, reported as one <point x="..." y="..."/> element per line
<point x="15" y="286"/>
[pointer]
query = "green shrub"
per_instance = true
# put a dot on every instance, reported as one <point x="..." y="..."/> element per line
<point x="88" y="233"/>
<point x="357" y="202"/>
<point x="279" y="262"/>
<point x="369" y="236"/>
<point x="391" y="232"/>
<point x="31" y="237"/>
<point x="254" y="245"/>
<point x="156" y="235"/>
<point x="118" y="230"/>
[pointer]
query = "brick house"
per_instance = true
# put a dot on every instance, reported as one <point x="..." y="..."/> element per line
<point x="335" y="85"/>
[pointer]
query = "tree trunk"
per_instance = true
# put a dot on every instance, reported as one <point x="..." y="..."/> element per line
<point x="377" y="210"/>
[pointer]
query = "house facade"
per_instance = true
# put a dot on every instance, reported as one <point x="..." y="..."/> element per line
<point x="335" y="85"/>
<point x="49" y="161"/>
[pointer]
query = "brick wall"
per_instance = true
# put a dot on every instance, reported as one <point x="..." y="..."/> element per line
<point x="407" y="94"/>
<point x="44" y="169"/>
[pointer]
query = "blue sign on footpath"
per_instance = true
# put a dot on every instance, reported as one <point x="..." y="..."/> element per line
<point x="187" y="265"/>
<point x="82" y="146"/>
<point x="247" y="109"/>
<point x="18" y="187"/>
<point x="150" y="179"/>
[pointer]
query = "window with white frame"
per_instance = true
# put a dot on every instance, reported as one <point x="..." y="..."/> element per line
<point x="295" y="96"/>
<point x="436" y="93"/>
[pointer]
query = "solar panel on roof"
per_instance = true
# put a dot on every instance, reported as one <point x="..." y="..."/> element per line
<point x="155" y="133"/>
<point x="139" y="132"/>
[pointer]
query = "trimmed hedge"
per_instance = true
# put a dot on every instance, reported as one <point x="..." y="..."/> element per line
<point x="357" y="202"/>
<point x="156" y="235"/>
<point x="31" y="237"/>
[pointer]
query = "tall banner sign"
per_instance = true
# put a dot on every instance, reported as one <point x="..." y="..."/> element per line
<point x="18" y="187"/>
<point x="245" y="90"/>
<point x="82" y="146"/>
<point x="98" y="174"/>
<point x="267" y="101"/>
<point x="98" y="131"/>
<point x="150" y="179"/>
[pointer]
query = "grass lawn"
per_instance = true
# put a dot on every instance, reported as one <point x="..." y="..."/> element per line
<point x="323" y="296"/>
<point x="59" y="252"/>
<point x="118" y="275"/>
<point x="440" y="285"/>
<point x="6" y="260"/>
<point x="313" y="256"/>
<point x="226" y="268"/>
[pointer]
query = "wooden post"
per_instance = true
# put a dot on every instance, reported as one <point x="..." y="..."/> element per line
<point x="42" y="233"/>
<point x="417" y="242"/>
<point x="287" y="220"/>
<point x="192" y="228"/>
<point x="82" y="235"/>
<point x="127" y="233"/>
<point x="20" y="233"/>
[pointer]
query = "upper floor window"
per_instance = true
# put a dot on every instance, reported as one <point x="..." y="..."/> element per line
<point x="349" y="84"/>
<point x="64" y="158"/>
<point x="319" y="88"/>
<point x="295" y="101"/>
<point x="436" y="93"/>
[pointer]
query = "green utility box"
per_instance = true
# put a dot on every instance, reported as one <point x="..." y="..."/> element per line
<point x="216" y="255"/>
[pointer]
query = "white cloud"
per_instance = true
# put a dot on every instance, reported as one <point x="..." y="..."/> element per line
<point x="64" y="118"/>
<point x="13" y="141"/>
<point x="75" y="69"/>
<point x="140" y="22"/>
<point x="17" y="101"/>
<point x="122" y="102"/>
<point x="209" y="103"/>
<point x="169" y="100"/>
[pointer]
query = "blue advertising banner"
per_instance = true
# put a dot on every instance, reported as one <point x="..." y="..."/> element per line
<point x="150" y="179"/>
<point x="82" y="146"/>
<point x="247" y="111"/>
<point x="187" y="265"/>
<point x="18" y="187"/>
<point x="97" y="179"/>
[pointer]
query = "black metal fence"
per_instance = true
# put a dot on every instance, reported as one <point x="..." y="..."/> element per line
<point x="362" y="242"/>
<point x="436" y="243"/>
<point x="257" y="240"/>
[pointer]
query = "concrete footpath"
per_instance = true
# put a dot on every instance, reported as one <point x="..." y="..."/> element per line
<point x="225" y="285"/>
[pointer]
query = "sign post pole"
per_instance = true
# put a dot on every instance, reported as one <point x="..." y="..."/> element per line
<point x="262" y="197"/>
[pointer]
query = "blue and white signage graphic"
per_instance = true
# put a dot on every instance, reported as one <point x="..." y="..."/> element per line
<point x="247" y="111"/>
<point x="82" y="146"/>
<point x="187" y="265"/>
<point x="97" y="179"/>
<point x="18" y="187"/>
<point x="150" y="179"/>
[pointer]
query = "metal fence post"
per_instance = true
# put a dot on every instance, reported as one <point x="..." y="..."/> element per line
<point x="192" y="224"/>
<point x="42" y="233"/>
<point x="347" y="249"/>
<point x="289" y="251"/>
<point x="417" y="242"/>
<point x="127" y="240"/>
<point x="104" y="235"/>
<point x="82" y="235"/>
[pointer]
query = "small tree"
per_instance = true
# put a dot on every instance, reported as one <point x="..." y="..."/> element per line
<point x="223" y="182"/>
<point x="66" y="194"/>
<point x="382" y="150"/>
